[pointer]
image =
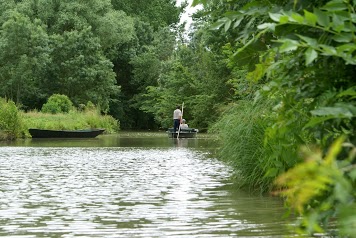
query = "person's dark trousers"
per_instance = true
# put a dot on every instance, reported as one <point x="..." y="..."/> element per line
<point x="176" y="124"/>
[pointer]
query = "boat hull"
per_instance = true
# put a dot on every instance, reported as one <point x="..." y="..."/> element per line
<point x="183" y="133"/>
<point x="89" y="133"/>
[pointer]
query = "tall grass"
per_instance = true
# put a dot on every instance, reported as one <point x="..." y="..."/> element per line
<point x="71" y="121"/>
<point x="11" y="124"/>
<point x="241" y="131"/>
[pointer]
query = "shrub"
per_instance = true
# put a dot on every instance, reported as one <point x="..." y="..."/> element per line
<point x="57" y="103"/>
<point x="10" y="120"/>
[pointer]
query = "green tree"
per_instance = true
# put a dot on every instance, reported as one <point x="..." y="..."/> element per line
<point x="69" y="52"/>
<point x="80" y="70"/>
<point x="25" y="54"/>
<point x="159" y="13"/>
<point x="202" y="86"/>
<point x="139" y="62"/>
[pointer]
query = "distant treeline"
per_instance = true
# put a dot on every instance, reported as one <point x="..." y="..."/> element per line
<point x="101" y="51"/>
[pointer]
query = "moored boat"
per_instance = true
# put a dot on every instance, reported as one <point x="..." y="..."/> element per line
<point x="183" y="133"/>
<point x="86" y="133"/>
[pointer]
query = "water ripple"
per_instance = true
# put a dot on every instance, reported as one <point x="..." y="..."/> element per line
<point x="117" y="192"/>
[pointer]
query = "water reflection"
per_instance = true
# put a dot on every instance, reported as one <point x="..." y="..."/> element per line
<point x="124" y="139"/>
<point x="171" y="191"/>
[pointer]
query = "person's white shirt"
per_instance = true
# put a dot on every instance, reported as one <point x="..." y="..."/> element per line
<point x="177" y="114"/>
<point x="184" y="126"/>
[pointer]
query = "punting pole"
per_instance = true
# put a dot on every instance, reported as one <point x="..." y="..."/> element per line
<point x="180" y="121"/>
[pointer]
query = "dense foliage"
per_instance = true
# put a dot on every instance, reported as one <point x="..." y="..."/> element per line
<point x="101" y="51"/>
<point x="300" y="56"/>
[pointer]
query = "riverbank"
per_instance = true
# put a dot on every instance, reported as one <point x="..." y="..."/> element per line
<point x="15" y="123"/>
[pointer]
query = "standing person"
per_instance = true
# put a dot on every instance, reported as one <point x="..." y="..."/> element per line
<point x="177" y="117"/>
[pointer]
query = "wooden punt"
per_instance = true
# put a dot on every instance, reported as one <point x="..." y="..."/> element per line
<point x="183" y="133"/>
<point x="86" y="133"/>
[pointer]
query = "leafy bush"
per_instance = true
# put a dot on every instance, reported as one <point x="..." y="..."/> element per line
<point x="322" y="188"/>
<point x="10" y="120"/>
<point x="57" y="103"/>
<point x="304" y="54"/>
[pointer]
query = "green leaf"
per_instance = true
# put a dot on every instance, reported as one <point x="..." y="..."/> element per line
<point x="353" y="17"/>
<point x="338" y="23"/>
<point x="197" y="2"/>
<point x="317" y="120"/>
<point x="288" y="45"/>
<point x="310" y="41"/>
<point x="322" y="18"/>
<point x="232" y="14"/>
<point x="310" y="18"/>
<point x="350" y="47"/>
<point x="310" y="56"/>
<point x="217" y="25"/>
<point x="352" y="175"/>
<point x="343" y="15"/>
<point x="335" y="112"/>
<point x="343" y="37"/>
<point x="238" y="20"/>
<point x="227" y="25"/>
<point x="297" y="17"/>
<point x="349" y="27"/>
<point x="284" y="19"/>
<point x="271" y="26"/>
<point x="335" y="5"/>
<point x="256" y="74"/>
<point x="327" y="50"/>
<point x="272" y="172"/>
<point x="275" y="16"/>
<point x="349" y="92"/>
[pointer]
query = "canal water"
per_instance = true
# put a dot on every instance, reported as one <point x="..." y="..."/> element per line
<point x="128" y="185"/>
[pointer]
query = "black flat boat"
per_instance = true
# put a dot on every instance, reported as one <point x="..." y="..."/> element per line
<point x="183" y="133"/>
<point x="87" y="133"/>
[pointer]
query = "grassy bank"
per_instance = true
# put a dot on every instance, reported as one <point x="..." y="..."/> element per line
<point x="70" y="121"/>
<point x="15" y="123"/>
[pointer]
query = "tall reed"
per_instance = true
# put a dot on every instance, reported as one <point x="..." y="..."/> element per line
<point x="241" y="131"/>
